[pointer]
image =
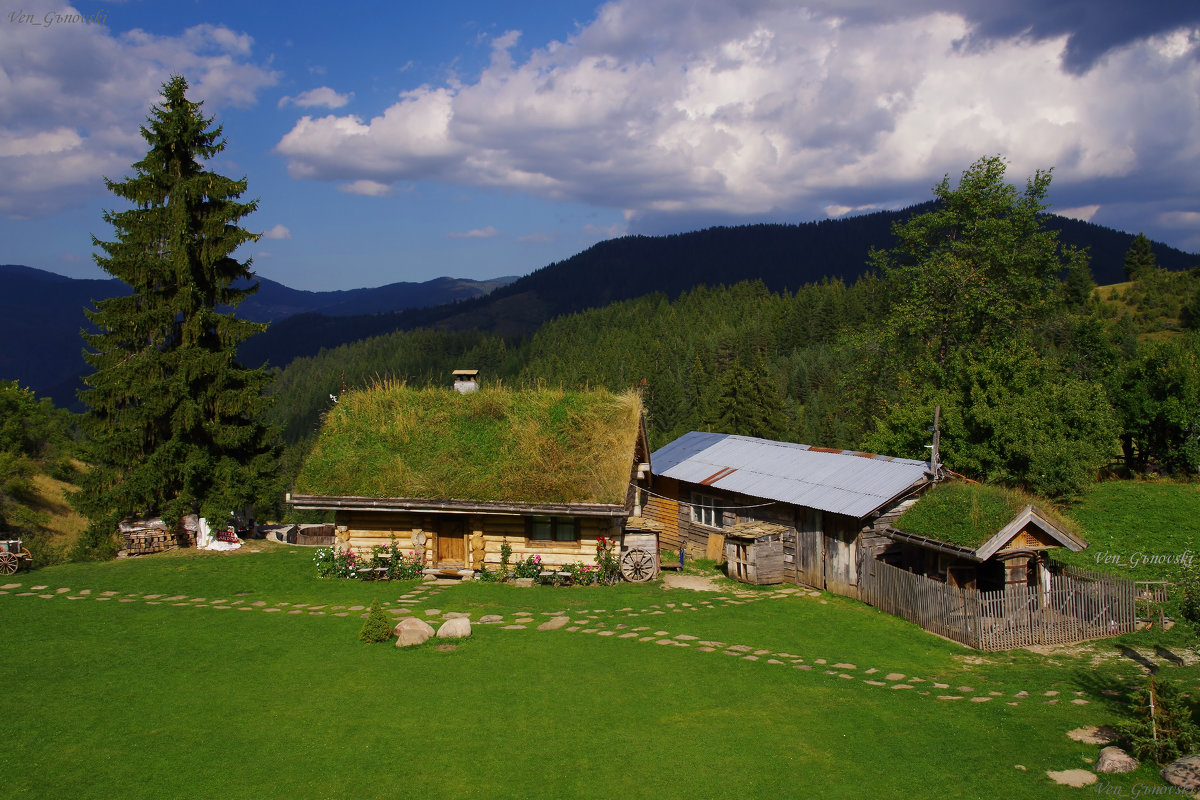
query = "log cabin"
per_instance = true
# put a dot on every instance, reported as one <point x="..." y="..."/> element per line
<point x="456" y="475"/>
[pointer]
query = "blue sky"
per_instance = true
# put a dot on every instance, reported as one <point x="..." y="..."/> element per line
<point x="406" y="141"/>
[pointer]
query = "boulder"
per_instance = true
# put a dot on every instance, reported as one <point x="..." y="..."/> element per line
<point x="410" y="631"/>
<point x="457" y="628"/>
<point x="1184" y="773"/>
<point x="1114" y="759"/>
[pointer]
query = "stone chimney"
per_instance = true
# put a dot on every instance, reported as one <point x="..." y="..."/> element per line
<point x="466" y="380"/>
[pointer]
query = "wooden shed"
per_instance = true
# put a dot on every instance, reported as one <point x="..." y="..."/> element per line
<point x="754" y="552"/>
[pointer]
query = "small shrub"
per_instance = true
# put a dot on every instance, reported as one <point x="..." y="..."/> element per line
<point x="332" y="563"/>
<point x="530" y="567"/>
<point x="1187" y="594"/>
<point x="377" y="627"/>
<point x="607" y="561"/>
<point x="583" y="574"/>
<point x="505" y="557"/>
<point x="486" y="575"/>
<point x="1161" y="729"/>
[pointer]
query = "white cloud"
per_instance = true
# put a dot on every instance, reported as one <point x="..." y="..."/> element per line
<point x="73" y="96"/>
<point x="1084" y="213"/>
<point x="321" y="97"/>
<point x="477" y="233"/>
<point x="277" y="232"/>
<point x="668" y="108"/>
<point x="366" y="188"/>
<point x="1180" y="219"/>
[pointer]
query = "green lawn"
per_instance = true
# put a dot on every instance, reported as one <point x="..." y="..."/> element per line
<point x="1138" y="529"/>
<point x="111" y="699"/>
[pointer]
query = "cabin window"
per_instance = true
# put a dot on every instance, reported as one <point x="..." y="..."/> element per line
<point x="552" y="529"/>
<point x="706" y="510"/>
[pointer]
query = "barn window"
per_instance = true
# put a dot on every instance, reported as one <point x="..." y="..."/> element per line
<point x="706" y="510"/>
<point x="552" y="529"/>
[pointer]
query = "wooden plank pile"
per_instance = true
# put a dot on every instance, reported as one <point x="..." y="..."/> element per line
<point x="143" y="536"/>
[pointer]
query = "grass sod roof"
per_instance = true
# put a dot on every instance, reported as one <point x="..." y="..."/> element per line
<point x="968" y="515"/>
<point x="535" y="446"/>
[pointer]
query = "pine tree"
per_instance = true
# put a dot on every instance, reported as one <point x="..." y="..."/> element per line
<point x="1139" y="258"/>
<point x="175" y="419"/>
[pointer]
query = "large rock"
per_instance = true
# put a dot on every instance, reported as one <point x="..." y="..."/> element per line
<point x="1114" y="759"/>
<point x="554" y="623"/>
<point x="1184" y="773"/>
<point x="410" y="631"/>
<point x="457" y="628"/>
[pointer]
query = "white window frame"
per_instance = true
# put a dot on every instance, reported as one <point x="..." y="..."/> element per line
<point x="707" y="511"/>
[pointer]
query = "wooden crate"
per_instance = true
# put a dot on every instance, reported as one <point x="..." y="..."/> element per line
<point x="754" y="552"/>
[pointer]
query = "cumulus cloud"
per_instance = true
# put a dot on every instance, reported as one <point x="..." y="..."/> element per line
<point x="477" y="233"/>
<point x="761" y="110"/>
<point x="277" y="232"/>
<point x="72" y="98"/>
<point x="367" y="188"/>
<point x="321" y="97"/>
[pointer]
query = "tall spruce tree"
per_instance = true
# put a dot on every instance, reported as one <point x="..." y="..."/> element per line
<point x="175" y="419"/>
<point x="1139" y="258"/>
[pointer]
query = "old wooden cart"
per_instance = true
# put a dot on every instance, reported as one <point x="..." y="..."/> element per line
<point x="12" y="553"/>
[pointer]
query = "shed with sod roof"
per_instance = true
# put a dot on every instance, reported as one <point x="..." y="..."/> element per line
<point x="456" y="476"/>
<point x="980" y="537"/>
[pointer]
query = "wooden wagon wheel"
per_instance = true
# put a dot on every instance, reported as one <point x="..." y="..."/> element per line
<point x="637" y="566"/>
<point x="8" y="563"/>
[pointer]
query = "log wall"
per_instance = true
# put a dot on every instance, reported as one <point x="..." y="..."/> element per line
<point x="485" y="534"/>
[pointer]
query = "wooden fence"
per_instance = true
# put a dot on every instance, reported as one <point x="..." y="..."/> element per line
<point x="1078" y="604"/>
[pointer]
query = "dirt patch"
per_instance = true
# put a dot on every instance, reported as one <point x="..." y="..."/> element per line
<point x="697" y="583"/>
<point x="1091" y="734"/>
<point x="447" y="648"/>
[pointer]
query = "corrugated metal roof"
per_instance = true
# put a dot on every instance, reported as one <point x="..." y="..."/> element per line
<point x="840" y="482"/>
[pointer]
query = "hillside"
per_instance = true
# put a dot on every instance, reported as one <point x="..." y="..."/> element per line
<point x="41" y="315"/>
<point x="783" y="257"/>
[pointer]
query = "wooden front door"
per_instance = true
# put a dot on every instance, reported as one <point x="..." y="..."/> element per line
<point x="841" y="555"/>
<point x="810" y="548"/>
<point x="452" y="542"/>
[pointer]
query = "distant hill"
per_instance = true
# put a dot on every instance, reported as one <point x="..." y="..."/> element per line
<point x="782" y="256"/>
<point x="41" y="316"/>
<point x="41" y="313"/>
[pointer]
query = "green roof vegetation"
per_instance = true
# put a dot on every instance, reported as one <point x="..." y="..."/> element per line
<point x="524" y="446"/>
<point x="968" y="514"/>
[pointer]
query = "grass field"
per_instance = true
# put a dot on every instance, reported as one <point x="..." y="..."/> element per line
<point x="148" y="699"/>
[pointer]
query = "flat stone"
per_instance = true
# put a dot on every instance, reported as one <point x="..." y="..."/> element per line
<point x="872" y="671"/>
<point x="761" y="652"/>
<point x="572" y="628"/>
<point x="89" y="591"/>
<point x="655" y="639"/>
<point x="64" y="590"/>
<point x="507" y="627"/>
<point x="30" y="594"/>
<point x="1114" y="759"/>
<point x="121" y="600"/>
<point x="342" y="614"/>
<point x="741" y="648"/>
<point x="844" y="666"/>
<point x="894" y="676"/>
<point x="941" y="686"/>
<point x="981" y="699"/>
<point x="11" y="586"/>
<point x="683" y="637"/>
<point x="1051" y="703"/>
<point x="357" y="608"/>
<point x="1078" y="701"/>
<point x="432" y="612"/>
<point x="875" y="683"/>
<point x="39" y="588"/>
<point x="772" y="660"/>
<point x="259" y="603"/>
<point x="901" y="686"/>
<point x="823" y="661"/>
<point x="750" y="658"/>
<point x="662" y="633"/>
<point x="1073" y="777"/>
<point x="490" y="619"/>
<point x="295" y="611"/>
<point x="170" y="599"/>
<point x="803" y="666"/>
<point x="846" y="676"/>
<point x="1021" y="693"/>
<point x="589" y="630"/>
<point x="1093" y="735"/>
<point x="245" y="608"/>
<point x="109" y="594"/>
<point x="949" y="697"/>
<point x="628" y="635"/>
<point x="606" y="633"/>
<point x="965" y="689"/>
<point x="1050" y="693"/>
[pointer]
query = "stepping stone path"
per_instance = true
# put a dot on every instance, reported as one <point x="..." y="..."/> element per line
<point x="595" y="624"/>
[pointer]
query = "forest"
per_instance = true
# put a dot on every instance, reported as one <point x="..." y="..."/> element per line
<point x="1044" y="380"/>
